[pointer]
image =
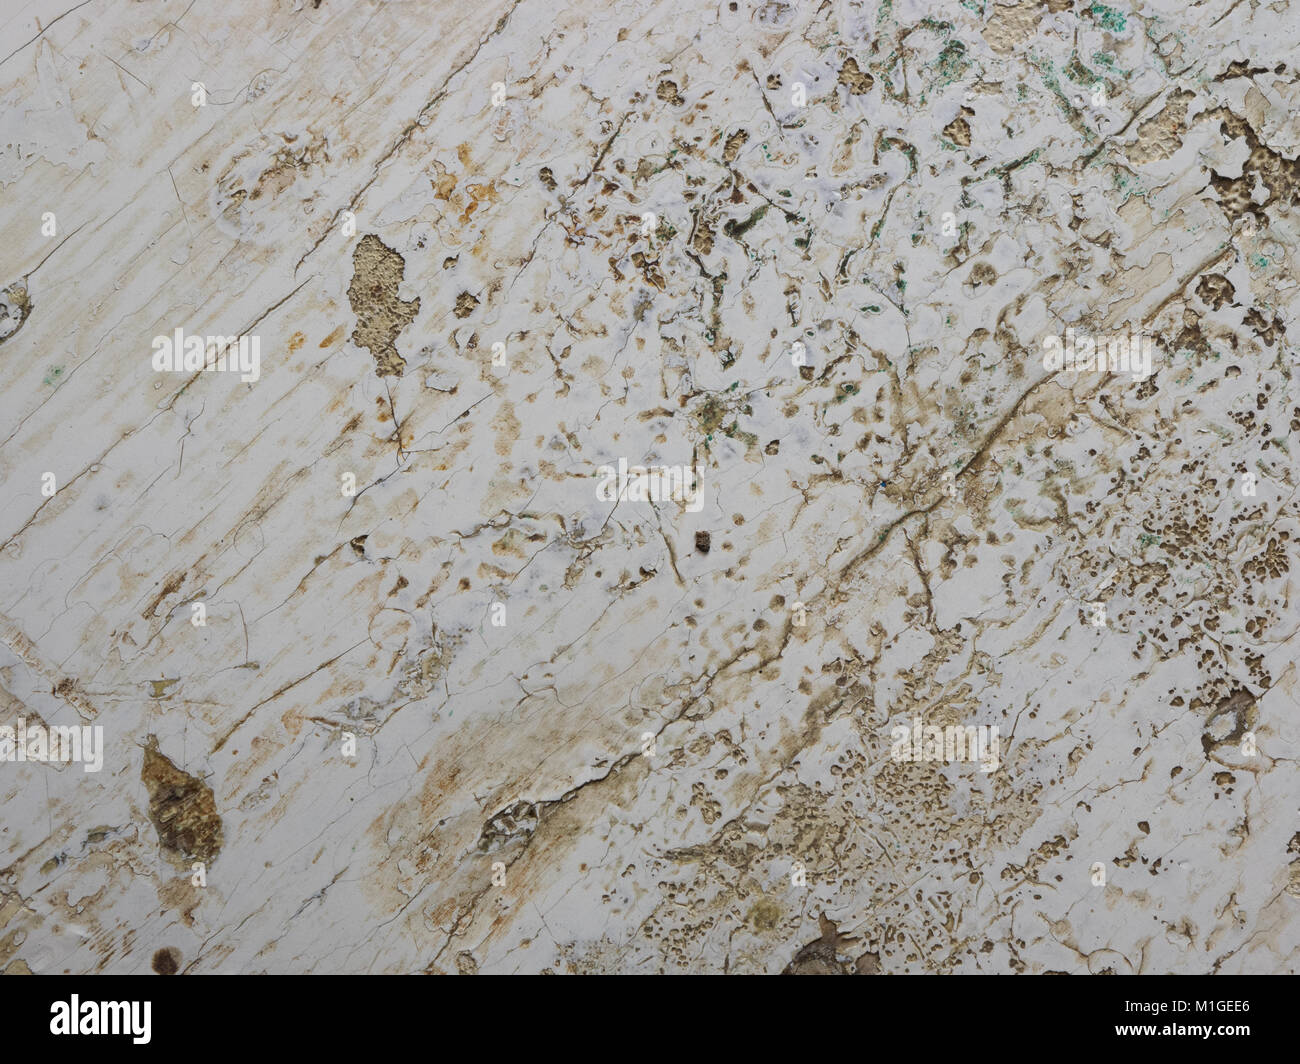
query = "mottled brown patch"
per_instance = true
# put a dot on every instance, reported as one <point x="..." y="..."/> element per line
<point x="465" y="304"/>
<point x="167" y="961"/>
<point x="182" y="808"/>
<point x="982" y="274"/>
<point x="764" y="915"/>
<point x="857" y="81"/>
<point x="1278" y="174"/>
<point x="958" y="131"/>
<point x="377" y="271"/>
<point x="1215" y="290"/>
<point x="667" y="91"/>
<point x="734" y="143"/>
<point x="1159" y="137"/>
<point x="1008" y="27"/>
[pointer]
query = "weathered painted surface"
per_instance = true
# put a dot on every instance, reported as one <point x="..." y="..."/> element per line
<point x="453" y="705"/>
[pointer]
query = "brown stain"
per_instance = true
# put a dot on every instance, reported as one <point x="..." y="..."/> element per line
<point x="479" y="195"/>
<point x="444" y="184"/>
<point x="1240" y="710"/>
<point x="10" y="944"/>
<point x="181" y="807"/>
<point x="292" y="720"/>
<point x="733" y="145"/>
<point x="285" y="164"/>
<point x="465" y="304"/>
<point x="296" y="341"/>
<point x="1159" y="137"/>
<point x="15" y="309"/>
<point x="333" y="337"/>
<point x="764" y="915"/>
<point x="167" y="961"/>
<point x="377" y="271"/>
<point x="958" y="130"/>
<point x="180" y="895"/>
<point x="507" y="426"/>
<point x="868" y="964"/>
<point x="819" y="957"/>
<point x="857" y="81"/>
<point x="1278" y="174"/>
<point x="667" y="91"/>
<point x="1009" y="27"/>
<point x="172" y="585"/>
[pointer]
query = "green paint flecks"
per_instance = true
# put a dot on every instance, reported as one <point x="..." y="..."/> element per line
<point x="1109" y="18"/>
